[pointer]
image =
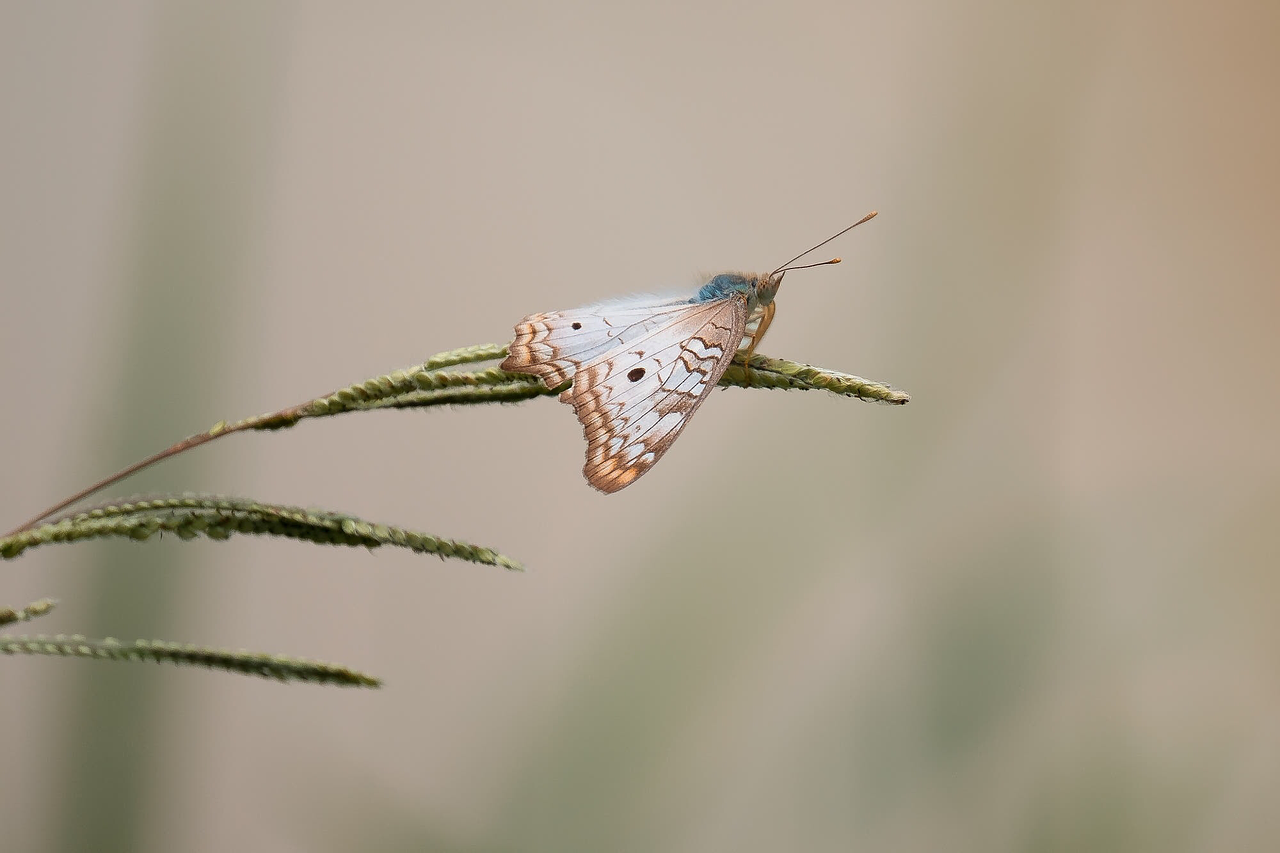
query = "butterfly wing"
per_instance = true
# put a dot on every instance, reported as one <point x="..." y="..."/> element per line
<point x="640" y="368"/>
<point x="634" y="400"/>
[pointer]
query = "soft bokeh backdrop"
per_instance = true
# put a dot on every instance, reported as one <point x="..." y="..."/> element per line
<point x="1034" y="609"/>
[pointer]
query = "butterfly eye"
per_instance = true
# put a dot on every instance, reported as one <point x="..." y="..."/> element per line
<point x="577" y="326"/>
<point x="636" y="374"/>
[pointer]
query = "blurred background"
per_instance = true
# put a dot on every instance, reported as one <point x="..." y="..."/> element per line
<point x="1035" y="609"/>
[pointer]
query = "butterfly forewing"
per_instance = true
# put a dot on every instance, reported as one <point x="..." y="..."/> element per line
<point x="553" y="346"/>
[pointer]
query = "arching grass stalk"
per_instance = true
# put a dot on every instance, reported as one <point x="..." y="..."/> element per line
<point x="428" y="384"/>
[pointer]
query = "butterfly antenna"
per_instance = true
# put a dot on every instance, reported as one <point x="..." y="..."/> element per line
<point x="806" y="266"/>
<point x="787" y="265"/>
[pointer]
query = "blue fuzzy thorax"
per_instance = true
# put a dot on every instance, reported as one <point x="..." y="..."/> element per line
<point x="723" y="285"/>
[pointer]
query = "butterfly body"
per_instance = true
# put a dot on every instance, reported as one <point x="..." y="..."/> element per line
<point x="640" y="367"/>
<point x="758" y="289"/>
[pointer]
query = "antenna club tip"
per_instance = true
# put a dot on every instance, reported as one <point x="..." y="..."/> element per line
<point x="835" y="260"/>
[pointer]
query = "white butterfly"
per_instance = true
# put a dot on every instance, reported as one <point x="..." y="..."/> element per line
<point x="641" y="366"/>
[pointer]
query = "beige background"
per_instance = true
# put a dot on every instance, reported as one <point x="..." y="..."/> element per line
<point x="1034" y="609"/>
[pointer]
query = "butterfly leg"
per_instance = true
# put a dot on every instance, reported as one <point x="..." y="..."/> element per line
<point x="765" y="319"/>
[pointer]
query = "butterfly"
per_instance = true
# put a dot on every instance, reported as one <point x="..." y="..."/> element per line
<point x="641" y="366"/>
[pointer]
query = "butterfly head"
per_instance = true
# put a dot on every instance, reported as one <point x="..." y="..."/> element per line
<point x="766" y="286"/>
